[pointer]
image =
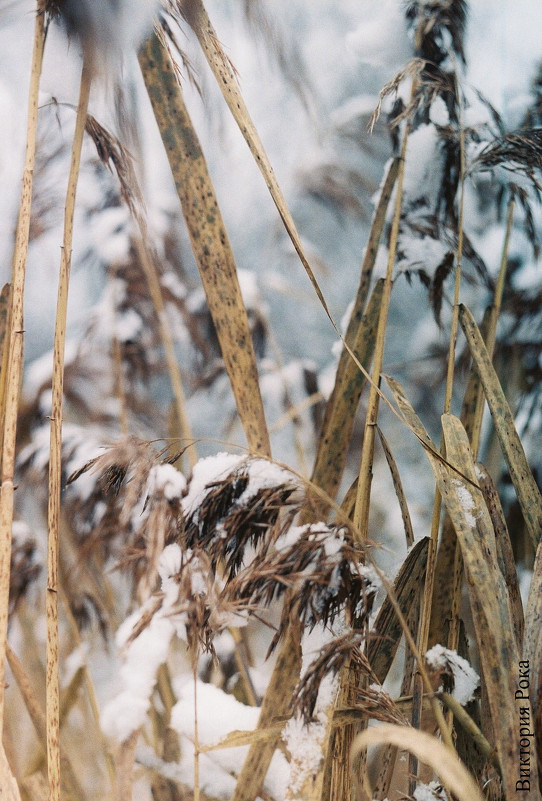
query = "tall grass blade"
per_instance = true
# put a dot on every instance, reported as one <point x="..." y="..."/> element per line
<point x="443" y="591"/>
<point x="526" y="488"/>
<point x="223" y="72"/>
<point x="208" y="237"/>
<point x="427" y="749"/>
<point x="493" y="622"/>
<point x="15" y="346"/>
<point x="361" y="511"/>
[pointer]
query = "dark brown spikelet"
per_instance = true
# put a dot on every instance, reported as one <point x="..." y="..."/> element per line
<point x="518" y="152"/>
<point x="225" y="527"/>
<point x="323" y="572"/>
<point x="333" y="657"/>
<point x="118" y="159"/>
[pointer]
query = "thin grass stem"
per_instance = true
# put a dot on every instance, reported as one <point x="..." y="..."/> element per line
<point x="55" y="455"/>
<point x="15" y="346"/>
<point x="361" y="509"/>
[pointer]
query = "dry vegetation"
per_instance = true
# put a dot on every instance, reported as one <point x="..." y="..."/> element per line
<point x="164" y="569"/>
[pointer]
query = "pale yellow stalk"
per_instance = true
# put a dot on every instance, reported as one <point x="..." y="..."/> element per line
<point x="55" y="455"/>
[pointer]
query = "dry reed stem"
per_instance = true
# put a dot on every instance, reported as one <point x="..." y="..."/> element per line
<point x="5" y="304"/>
<point x="467" y="723"/>
<point x="15" y="353"/>
<point x="124" y="768"/>
<point x="361" y="509"/>
<point x="71" y="788"/>
<point x="360" y="335"/>
<point x="425" y="617"/>
<point x="55" y="455"/>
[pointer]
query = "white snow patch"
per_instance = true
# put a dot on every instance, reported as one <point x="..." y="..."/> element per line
<point x="421" y="252"/>
<point x="381" y="40"/>
<point x="438" y="113"/>
<point x="264" y="474"/>
<point x="430" y="792"/>
<point x="422" y="169"/>
<point x="465" y="678"/>
<point x="466" y="500"/>
<point x="167" y="479"/>
<point x="305" y="743"/>
<point x="205" y="472"/>
<point x="126" y="712"/>
<point x="219" y="714"/>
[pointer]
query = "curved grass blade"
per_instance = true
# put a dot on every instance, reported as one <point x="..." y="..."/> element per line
<point x="527" y="491"/>
<point x="208" y="237"/>
<point x="443" y="590"/>
<point x="428" y="750"/>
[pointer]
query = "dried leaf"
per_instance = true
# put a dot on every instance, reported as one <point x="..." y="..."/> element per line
<point x="208" y="237"/>
<point x="398" y="487"/>
<point x="526" y="488"/>
<point x="505" y="555"/>
<point x="387" y="631"/>
<point x="490" y="606"/>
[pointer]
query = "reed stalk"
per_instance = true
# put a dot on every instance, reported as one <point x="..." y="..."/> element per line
<point x="15" y="345"/>
<point x="55" y="455"/>
<point x="361" y="509"/>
